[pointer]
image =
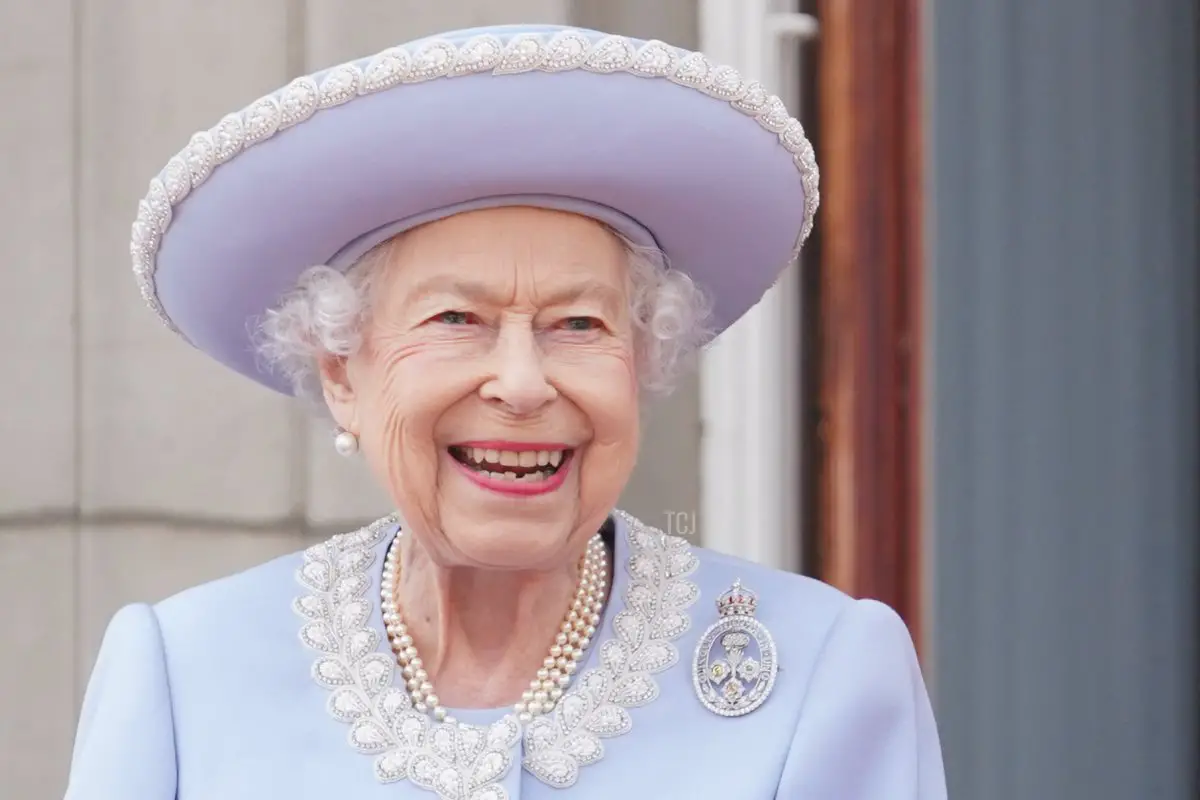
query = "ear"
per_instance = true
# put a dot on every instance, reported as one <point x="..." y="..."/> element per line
<point x="339" y="393"/>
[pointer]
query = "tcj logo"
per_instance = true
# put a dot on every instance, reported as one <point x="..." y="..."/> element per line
<point x="681" y="523"/>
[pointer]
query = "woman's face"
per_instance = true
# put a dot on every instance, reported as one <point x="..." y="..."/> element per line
<point x="495" y="393"/>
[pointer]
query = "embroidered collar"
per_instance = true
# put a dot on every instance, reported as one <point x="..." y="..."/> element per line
<point x="464" y="761"/>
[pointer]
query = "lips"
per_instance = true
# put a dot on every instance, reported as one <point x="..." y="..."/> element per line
<point x="528" y="464"/>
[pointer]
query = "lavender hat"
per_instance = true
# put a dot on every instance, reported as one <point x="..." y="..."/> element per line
<point x="661" y="144"/>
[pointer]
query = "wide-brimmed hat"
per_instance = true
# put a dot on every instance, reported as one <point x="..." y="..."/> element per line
<point x="666" y="147"/>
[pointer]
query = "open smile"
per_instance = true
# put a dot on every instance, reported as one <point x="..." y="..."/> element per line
<point x="513" y="468"/>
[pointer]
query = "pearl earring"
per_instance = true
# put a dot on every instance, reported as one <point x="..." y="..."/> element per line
<point x="345" y="442"/>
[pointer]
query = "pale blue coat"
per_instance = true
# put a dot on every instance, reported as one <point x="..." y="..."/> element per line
<point x="211" y="694"/>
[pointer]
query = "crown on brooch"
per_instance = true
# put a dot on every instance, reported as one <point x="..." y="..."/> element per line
<point x="737" y="601"/>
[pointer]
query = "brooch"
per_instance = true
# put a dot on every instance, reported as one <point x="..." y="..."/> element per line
<point x="735" y="664"/>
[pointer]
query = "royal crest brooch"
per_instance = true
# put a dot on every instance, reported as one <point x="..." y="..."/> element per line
<point x="735" y="665"/>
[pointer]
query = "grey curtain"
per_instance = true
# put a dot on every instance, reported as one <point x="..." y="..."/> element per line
<point x="1064" y="438"/>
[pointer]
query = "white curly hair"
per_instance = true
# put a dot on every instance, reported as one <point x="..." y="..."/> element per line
<point x="326" y="311"/>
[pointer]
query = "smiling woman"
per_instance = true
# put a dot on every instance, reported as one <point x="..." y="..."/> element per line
<point x="465" y="333"/>
<point x="483" y="328"/>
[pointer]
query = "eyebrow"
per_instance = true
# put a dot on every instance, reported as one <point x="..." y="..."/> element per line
<point x="482" y="293"/>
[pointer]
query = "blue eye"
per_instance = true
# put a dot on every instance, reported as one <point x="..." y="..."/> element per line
<point x="454" y="318"/>
<point x="580" y="324"/>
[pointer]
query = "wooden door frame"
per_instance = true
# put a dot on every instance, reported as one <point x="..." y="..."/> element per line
<point x="869" y="466"/>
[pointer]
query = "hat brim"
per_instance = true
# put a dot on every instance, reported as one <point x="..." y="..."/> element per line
<point x="706" y="164"/>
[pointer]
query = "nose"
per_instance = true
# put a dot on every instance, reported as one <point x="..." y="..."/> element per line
<point x="518" y="380"/>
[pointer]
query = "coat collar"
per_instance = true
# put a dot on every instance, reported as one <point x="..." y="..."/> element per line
<point x="342" y="622"/>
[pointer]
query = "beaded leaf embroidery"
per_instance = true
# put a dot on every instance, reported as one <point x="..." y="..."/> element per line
<point x="460" y="761"/>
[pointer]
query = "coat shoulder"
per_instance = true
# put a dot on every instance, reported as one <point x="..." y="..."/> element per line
<point x="718" y="571"/>
<point x="799" y="611"/>
<point x="259" y="595"/>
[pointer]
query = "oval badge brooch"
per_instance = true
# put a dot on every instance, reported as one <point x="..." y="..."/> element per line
<point x="735" y="664"/>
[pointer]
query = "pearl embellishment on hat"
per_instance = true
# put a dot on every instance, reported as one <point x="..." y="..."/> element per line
<point x="415" y="63"/>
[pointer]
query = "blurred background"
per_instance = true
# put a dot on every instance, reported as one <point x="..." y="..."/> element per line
<point x="976" y="398"/>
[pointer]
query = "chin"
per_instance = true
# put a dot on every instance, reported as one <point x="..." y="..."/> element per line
<point x="490" y="525"/>
<point x="505" y="542"/>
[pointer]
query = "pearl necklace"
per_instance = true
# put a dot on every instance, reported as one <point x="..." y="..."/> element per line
<point x="573" y="639"/>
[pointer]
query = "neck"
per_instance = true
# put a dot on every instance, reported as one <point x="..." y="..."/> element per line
<point x="482" y="634"/>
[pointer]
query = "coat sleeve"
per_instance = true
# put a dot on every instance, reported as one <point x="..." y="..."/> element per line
<point x="125" y="745"/>
<point x="866" y="729"/>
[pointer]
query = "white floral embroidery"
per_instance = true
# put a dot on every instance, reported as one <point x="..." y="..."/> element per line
<point x="656" y="601"/>
<point x="558" y="52"/>
<point x="467" y="762"/>
<point x="457" y="762"/>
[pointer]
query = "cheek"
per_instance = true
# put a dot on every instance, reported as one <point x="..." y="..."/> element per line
<point x="402" y="402"/>
<point x="400" y="370"/>
<point x="602" y="382"/>
<point x="603" y="386"/>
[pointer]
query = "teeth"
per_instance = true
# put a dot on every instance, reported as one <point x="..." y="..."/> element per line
<point x="532" y="477"/>
<point x="512" y="458"/>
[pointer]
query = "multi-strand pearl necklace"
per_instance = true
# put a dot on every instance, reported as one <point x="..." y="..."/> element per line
<point x="573" y="639"/>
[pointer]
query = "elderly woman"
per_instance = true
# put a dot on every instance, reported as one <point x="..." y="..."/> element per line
<point x="522" y="231"/>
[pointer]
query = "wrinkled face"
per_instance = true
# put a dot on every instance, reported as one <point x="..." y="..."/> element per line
<point x="495" y="392"/>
